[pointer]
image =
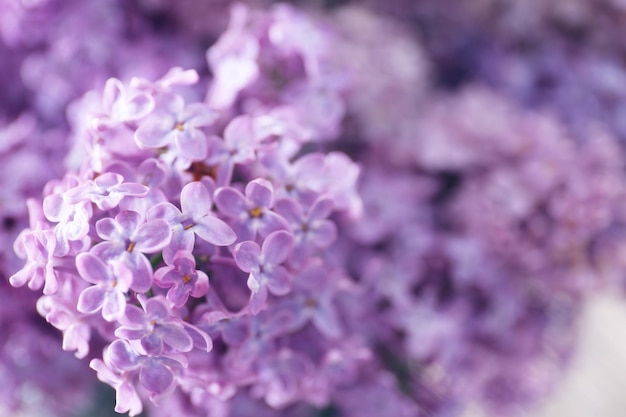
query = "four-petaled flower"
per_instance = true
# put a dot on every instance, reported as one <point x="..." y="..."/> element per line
<point x="105" y="191"/>
<point x="177" y="124"/>
<point x="155" y="372"/>
<point x="154" y="327"/>
<point x="109" y="292"/>
<point x="263" y="264"/>
<point x="196" y="218"/>
<point x="237" y="147"/>
<point x="127" y="237"/>
<point x="251" y="213"/>
<point x="311" y="229"/>
<point x="182" y="279"/>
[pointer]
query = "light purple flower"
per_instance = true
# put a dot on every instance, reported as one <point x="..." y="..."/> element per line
<point x="152" y="173"/>
<point x="155" y="372"/>
<point x="105" y="191"/>
<point x="263" y="265"/>
<point x="121" y="106"/>
<point x="237" y="147"/>
<point x="301" y="179"/>
<point x="109" y="292"/>
<point x="62" y="314"/>
<point x="196" y="218"/>
<point x="283" y="378"/>
<point x="37" y="247"/>
<point x="312" y="230"/>
<point x="280" y="131"/>
<point x="126" y="239"/>
<point x="127" y="399"/>
<point x="251" y="214"/>
<point x="132" y="234"/>
<point x="340" y="180"/>
<point x="154" y="326"/>
<point x="182" y="279"/>
<point x="217" y="321"/>
<point x="311" y="300"/>
<point x="72" y="219"/>
<point x="179" y="125"/>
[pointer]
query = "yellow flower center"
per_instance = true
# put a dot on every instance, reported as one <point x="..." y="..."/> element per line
<point x="256" y="212"/>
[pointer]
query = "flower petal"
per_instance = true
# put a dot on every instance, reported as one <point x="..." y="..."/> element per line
<point x="195" y="200"/>
<point x="152" y="236"/>
<point x="152" y="344"/>
<point x="215" y="231"/>
<point x="260" y="192"/>
<point x="140" y="270"/>
<point x="114" y="306"/>
<point x="278" y="281"/>
<point x="200" y="339"/>
<point x="230" y="201"/>
<point x="121" y="355"/>
<point x="131" y="189"/>
<point x="191" y="143"/>
<point x="271" y="223"/>
<point x="276" y="247"/>
<point x="247" y="255"/>
<point x="239" y="134"/>
<point x="326" y="320"/>
<point x="321" y="208"/>
<point x="198" y="115"/>
<point x="258" y="300"/>
<point x="155" y="133"/>
<point x="165" y="211"/>
<point x="92" y="269"/>
<point x="128" y="220"/>
<point x="323" y="234"/>
<point x="176" y="337"/>
<point x="138" y="106"/>
<point x="157" y="309"/>
<point x="109" y="229"/>
<point x="155" y="377"/>
<point x="182" y="240"/>
<point x="290" y="210"/>
<point x="91" y="299"/>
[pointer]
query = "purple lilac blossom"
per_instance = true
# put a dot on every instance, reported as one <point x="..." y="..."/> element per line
<point x="470" y="224"/>
<point x="135" y="273"/>
<point x="251" y="214"/>
<point x="263" y="264"/>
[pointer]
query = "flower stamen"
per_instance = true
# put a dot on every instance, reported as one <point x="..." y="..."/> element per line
<point x="256" y="212"/>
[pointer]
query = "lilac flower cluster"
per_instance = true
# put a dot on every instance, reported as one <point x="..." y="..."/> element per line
<point x="208" y="245"/>
<point x="176" y="191"/>
<point x="51" y="53"/>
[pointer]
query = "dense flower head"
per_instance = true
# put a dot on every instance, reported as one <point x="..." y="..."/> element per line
<point x="132" y="245"/>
